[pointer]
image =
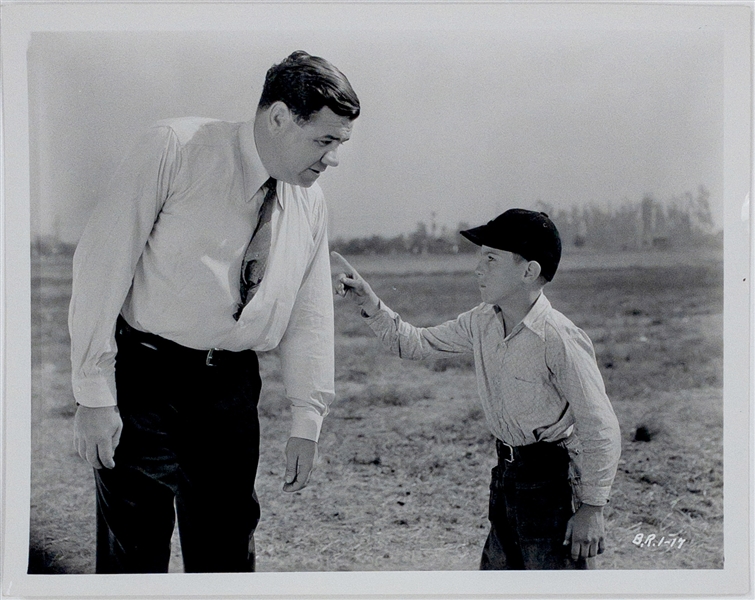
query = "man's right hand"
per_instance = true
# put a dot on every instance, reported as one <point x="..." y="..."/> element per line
<point x="96" y="433"/>
<point x="350" y="284"/>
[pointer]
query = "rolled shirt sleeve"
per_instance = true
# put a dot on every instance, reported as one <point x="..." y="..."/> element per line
<point x="571" y="359"/>
<point x="407" y="341"/>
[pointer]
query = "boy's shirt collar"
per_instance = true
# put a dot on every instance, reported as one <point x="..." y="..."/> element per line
<point x="534" y="320"/>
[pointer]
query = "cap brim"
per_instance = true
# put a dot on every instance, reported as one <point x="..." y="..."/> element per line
<point x="475" y="235"/>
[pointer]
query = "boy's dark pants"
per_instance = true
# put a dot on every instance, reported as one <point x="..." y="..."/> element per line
<point x="530" y="506"/>
<point x="190" y="435"/>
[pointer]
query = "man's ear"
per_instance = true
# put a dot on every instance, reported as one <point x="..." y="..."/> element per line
<point x="532" y="272"/>
<point x="278" y="117"/>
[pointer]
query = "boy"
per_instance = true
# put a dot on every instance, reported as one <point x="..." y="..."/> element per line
<point x="558" y="440"/>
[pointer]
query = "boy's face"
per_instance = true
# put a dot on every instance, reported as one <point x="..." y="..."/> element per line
<point x="499" y="275"/>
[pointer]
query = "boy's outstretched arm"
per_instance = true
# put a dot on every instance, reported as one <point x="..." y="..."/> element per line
<point x="350" y="284"/>
<point x="397" y="336"/>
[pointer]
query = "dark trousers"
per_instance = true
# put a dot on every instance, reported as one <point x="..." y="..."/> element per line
<point x="190" y="446"/>
<point x="530" y="506"/>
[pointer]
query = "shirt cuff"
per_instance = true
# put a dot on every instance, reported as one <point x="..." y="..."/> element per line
<point x="306" y="423"/>
<point x="592" y="494"/>
<point x="94" y="393"/>
<point x="381" y="313"/>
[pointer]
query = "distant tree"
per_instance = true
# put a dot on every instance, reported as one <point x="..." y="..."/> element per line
<point x="700" y="211"/>
<point x="578" y="227"/>
<point x="398" y="244"/>
<point x="419" y="239"/>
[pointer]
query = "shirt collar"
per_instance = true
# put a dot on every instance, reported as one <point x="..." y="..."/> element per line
<point x="534" y="320"/>
<point x="536" y="317"/>
<point x="255" y="174"/>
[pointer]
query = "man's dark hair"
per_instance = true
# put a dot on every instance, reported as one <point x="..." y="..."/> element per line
<point x="306" y="84"/>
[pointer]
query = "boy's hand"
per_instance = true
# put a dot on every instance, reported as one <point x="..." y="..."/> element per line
<point x="585" y="531"/>
<point x="351" y="285"/>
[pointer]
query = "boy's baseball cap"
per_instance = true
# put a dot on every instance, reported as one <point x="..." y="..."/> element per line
<point x="530" y="234"/>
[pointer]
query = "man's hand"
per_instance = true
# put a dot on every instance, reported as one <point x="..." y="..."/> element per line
<point x="585" y="531"/>
<point x="351" y="285"/>
<point x="301" y="455"/>
<point x="96" y="433"/>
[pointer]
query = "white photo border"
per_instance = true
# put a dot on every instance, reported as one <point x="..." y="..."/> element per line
<point x="21" y="19"/>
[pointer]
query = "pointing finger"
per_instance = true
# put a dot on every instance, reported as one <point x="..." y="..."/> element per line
<point x="339" y="262"/>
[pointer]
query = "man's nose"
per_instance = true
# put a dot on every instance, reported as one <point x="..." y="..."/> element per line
<point x="330" y="158"/>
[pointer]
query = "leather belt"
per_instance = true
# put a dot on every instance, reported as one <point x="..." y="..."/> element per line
<point x="537" y="452"/>
<point x="210" y="358"/>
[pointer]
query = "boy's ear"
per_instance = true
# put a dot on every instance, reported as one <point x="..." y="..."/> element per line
<point x="532" y="271"/>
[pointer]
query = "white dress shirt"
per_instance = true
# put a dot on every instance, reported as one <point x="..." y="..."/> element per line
<point x="164" y="249"/>
<point x="538" y="383"/>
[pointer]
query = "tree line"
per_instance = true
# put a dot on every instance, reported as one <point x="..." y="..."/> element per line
<point x="679" y="222"/>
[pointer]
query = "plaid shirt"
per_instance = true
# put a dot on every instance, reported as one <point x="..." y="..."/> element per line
<point x="538" y="383"/>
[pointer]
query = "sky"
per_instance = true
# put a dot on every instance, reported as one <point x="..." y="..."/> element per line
<point x="459" y="121"/>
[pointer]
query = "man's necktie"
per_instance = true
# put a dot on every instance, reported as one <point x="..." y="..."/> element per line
<point x="255" y="258"/>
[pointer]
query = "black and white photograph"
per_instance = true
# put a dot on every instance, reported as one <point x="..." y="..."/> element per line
<point x="376" y="299"/>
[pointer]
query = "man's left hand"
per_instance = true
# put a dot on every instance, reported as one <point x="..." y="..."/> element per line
<point x="585" y="531"/>
<point x="301" y="455"/>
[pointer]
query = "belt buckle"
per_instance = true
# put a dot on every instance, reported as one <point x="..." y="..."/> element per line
<point x="208" y="361"/>
<point x="511" y="452"/>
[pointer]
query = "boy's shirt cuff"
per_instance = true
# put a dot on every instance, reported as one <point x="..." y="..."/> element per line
<point x="381" y="312"/>
<point x="592" y="494"/>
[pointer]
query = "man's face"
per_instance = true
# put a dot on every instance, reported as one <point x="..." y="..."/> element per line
<point x="499" y="275"/>
<point x="307" y="150"/>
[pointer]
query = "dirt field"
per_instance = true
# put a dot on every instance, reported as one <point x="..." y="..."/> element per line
<point x="405" y="454"/>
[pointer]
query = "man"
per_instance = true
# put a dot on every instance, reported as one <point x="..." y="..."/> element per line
<point x="210" y="245"/>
